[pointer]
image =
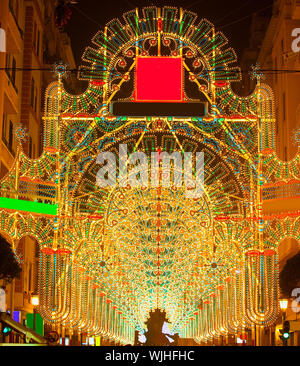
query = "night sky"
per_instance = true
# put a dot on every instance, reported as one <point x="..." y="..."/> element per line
<point x="232" y="17"/>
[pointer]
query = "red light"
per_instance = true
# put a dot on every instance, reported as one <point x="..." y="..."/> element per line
<point x="159" y="79"/>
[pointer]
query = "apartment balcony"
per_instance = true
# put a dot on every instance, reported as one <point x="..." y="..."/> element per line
<point x="11" y="98"/>
<point x="7" y="153"/>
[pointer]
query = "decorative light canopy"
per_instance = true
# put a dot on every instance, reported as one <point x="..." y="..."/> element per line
<point x="110" y="256"/>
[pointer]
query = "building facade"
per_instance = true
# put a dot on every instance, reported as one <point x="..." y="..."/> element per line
<point x="271" y="47"/>
<point x="33" y="45"/>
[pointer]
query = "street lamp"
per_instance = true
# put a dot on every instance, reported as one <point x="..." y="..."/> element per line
<point x="283" y="305"/>
<point x="285" y="333"/>
<point x="35" y="301"/>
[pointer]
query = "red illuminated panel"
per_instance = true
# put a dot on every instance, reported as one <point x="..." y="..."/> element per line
<point x="159" y="79"/>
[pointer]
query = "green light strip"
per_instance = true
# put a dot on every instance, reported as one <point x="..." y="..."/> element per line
<point x="29" y="206"/>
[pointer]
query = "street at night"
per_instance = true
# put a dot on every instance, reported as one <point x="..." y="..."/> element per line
<point x="150" y="177"/>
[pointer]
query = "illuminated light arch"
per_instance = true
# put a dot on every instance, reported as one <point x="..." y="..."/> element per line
<point x="109" y="256"/>
<point x="282" y="226"/>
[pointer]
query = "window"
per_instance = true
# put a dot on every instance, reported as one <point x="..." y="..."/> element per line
<point x="282" y="51"/>
<point x="38" y="43"/>
<point x="34" y="36"/>
<point x="11" y="5"/>
<point x="14" y="8"/>
<point x="7" y="64"/>
<point x="4" y="129"/>
<point x="32" y="92"/>
<point x="17" y="9"/>
<point x="10" y="65"/>
<point x="35" y="100"/>
<point x="10" y="136"/>
<point x="13" y="71"/>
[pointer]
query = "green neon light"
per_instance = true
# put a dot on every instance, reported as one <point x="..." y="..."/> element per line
<point x="21" y="205"/>
<point x="6" y="330"/>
